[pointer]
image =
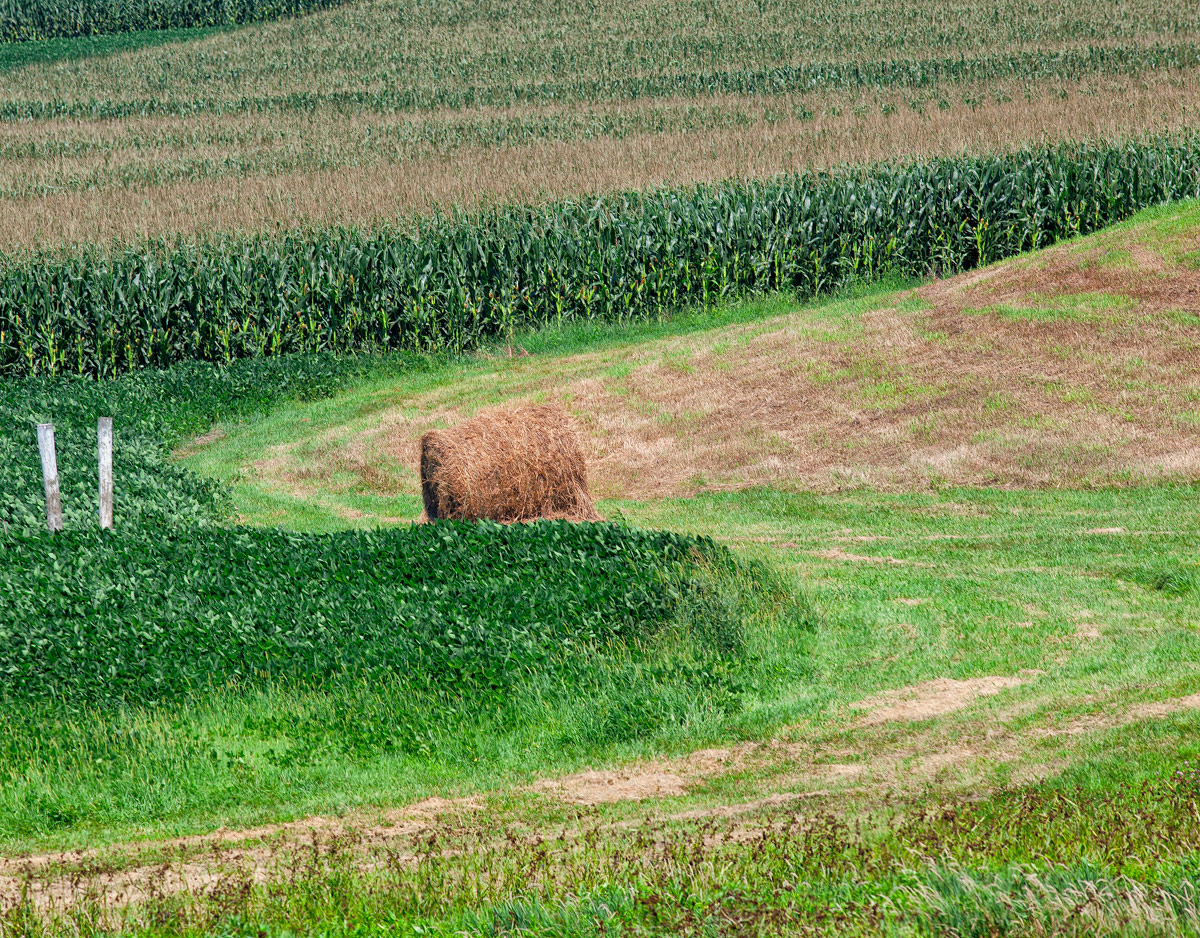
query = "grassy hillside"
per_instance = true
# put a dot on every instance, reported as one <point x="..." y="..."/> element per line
<point x="1073" y="366"/>
<point x="393" y="106"/>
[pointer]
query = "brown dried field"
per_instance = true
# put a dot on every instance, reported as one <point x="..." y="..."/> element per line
<point x="96" y="181"/>
<point x="1074" y="366"/>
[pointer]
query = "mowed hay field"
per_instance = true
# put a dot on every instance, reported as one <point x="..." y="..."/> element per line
<point x="892" y="626"/>
<point x="1071" y="367"/>
<point x="377" y="109"/>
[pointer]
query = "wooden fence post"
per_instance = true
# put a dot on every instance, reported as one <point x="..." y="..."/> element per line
<point x="45" y="432"/>
<point x="104" y="445"/>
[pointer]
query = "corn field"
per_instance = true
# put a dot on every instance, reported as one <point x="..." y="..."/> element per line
<point x="405" y="54"/>
<point x="906" y="73"/>
<point x="374" y="110"/>
<point x="450" y="283"/>
<point x="23" y="20"/>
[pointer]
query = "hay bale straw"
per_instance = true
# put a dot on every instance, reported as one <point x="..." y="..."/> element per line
<point x="514" y="464"/>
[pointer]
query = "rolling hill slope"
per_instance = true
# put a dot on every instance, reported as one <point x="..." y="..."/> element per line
<point x="1074" y="366"/>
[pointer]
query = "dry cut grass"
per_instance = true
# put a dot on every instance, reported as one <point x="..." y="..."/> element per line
<point x="1075" y="366"/>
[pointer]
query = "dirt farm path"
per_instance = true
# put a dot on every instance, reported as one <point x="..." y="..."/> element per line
<point x="134" y="872"/>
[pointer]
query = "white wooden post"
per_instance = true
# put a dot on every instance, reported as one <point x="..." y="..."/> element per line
<point x="45" y="432"/>
<point x="104" y="444"/>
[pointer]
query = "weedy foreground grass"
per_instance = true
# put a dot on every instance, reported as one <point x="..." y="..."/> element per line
<point x="1108" y="849"/>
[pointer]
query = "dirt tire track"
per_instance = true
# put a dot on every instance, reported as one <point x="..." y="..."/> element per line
<point x="210" y="860"/>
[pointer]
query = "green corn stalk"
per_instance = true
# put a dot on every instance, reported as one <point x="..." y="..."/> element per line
<point x="455" y="282"/>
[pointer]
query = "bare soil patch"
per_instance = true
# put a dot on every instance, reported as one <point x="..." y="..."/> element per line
<point x="1162" y="708"/>
<point x="128" y="874"/>
<point x="410" y="817"/>
<point x="1088" y="631"/>
<point x="932" y="698"/>
<point x="593" y="788"/>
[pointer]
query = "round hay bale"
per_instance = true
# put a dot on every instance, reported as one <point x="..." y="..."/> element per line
<point x="513" y="464"/>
